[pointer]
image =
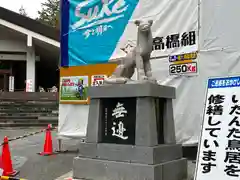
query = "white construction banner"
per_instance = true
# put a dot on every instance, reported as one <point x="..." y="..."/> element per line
<point x="175" y="27"/>
<point x="219" y="150"/>
<point x="105" y="30"/>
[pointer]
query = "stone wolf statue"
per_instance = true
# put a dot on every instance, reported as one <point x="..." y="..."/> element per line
<point x="138" y="58"/>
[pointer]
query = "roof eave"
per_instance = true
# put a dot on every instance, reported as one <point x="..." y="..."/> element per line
<point x="29" y="33"/>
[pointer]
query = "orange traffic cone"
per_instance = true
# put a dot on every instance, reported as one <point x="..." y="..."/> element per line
<point x="48" y="149"/>
<point x="1" y="166"/>
<point x="6" y="160"/>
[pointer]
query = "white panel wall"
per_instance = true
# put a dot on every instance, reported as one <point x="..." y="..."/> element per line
<point x="15" y="57"/>
<point x="13" y="46"/>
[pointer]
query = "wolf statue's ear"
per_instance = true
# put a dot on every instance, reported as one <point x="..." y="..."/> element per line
<point x="137" y="22"/>
<point x="150" y="22"/>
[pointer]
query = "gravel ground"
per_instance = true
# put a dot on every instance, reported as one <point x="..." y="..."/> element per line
<point x="34" y="167"/>
<point x="191" y="170"/>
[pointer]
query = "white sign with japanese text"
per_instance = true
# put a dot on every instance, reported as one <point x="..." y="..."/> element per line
<point x="29" y="85"/>
<point x="97" y="80"/>
<point x="219" y="147"/>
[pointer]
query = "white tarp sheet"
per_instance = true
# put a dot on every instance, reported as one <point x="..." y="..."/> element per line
<point x="72" y="120"/>
<point x="173" y="20"/>
<point x="218" y="55"/>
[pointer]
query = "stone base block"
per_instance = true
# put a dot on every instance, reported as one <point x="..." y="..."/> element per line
<point x="132" y="90"/>
<point x="95" y="169"/>
<point x="127" y="153"/>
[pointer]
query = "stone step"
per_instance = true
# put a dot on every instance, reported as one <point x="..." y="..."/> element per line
<point x="54" y="111"/>
<point x="27" y="105"/>
<point x="29" y="117"/>
<point x="17" y="117"/>
<point x="27" y="124"/>
<point x="24" y="114"/>
<point x="29" y="108"/>
<point x="26" y="120"/>
<point x="29" y="96"/>
<point x="29" y="120"/>
<point x="48" y="118"/>
<point x="28" y="102"/>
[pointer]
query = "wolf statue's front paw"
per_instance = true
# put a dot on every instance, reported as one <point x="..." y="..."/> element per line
<point x="143" y="78"/>
<point x="152" y="80"/>
<point x="115" y="80"/>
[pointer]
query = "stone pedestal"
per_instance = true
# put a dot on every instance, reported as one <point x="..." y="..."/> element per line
<point x="130" y="135"/>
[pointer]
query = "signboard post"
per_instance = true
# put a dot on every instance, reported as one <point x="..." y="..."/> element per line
<point x="11" y="83"/>
<point x="219" y="147"/>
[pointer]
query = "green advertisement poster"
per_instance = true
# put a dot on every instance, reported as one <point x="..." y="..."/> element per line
<point x="74" y="88"/>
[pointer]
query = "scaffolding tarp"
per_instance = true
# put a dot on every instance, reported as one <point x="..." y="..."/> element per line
<point x="217" y="34"/>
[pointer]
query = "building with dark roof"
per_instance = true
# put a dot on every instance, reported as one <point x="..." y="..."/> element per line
<point x="29" y="52"/>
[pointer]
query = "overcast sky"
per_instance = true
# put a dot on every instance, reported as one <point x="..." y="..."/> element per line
<point x="31" y="6"/>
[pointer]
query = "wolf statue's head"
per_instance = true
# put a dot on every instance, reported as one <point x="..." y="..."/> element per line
<point x="144" y="37"/>
<point x="144" y="26"/>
